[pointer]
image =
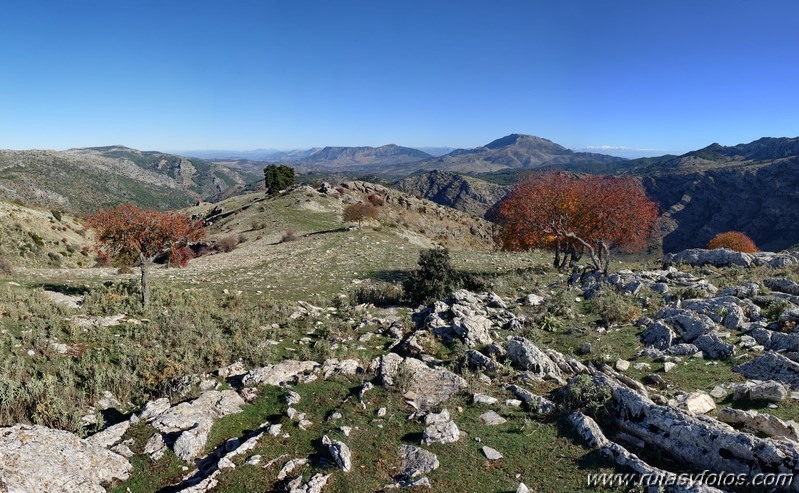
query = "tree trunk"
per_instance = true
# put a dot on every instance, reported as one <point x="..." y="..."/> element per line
<point x="144" y="265"/>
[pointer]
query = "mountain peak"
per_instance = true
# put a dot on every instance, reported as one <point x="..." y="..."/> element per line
<point x="526" y="141"/>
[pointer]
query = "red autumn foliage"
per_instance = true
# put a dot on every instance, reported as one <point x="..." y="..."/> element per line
<point x="575" y="215"/>
<point x="133" y="236"/>
<point x="375" y="200"/>
<point x="733" y="240"/>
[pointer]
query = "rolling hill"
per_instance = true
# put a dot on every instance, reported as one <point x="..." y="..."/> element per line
<point x="82" y="180"/>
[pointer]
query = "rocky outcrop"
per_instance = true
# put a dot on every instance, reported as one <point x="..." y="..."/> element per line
<point x="36" y="459"/>
<point x="461" y="192"/>
<point x="192" y="420"/>
<point x="525" y="355"/>
<point x="425" y="387"/>
<point x="283" y="373"/>
<point x="771" y="366"/>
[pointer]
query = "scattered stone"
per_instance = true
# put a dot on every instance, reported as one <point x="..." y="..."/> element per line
<point x="622" y="365"/>
<point x="283" y="373"/>
<point x="718" y="392"/>
<point x="668" y="366"/>
<point x="522" y="488"/>
<point x="154" y="409"/>
<point x="416" y="461"/>
<point x="193" y="420"/>
<point x="484" y="399"/>
<point x="440" y="429"/>
<point x="478" y="360"/>
<point x="346" y="367"/>
<point x="760" y="423"/>
<point x="274" y="430"/>
<point x="491" y="454"/>
<point x="254" y="460"/>
<point x="340" y="452"/>
<point x="535" y="403"/>
<point x="155" y="447"/>
<point x="289" y="467"/>
<point x="426" y="387"/>
<point x="770" y="391"/>
<point x="491" y="418"/>
<point x="513" y="402"/>
<point x="292" y="398"/>
<point x="315" y="485"/>
<point x="658" y="335"/>
<point x="694" y="403"/>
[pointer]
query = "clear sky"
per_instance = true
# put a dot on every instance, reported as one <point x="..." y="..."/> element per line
<point x="657" y="76"/>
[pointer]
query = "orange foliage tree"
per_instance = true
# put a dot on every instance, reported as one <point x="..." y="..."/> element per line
<point x="358" y="212"/>
<point x="576" y="215"/>
<point x="734" y="240"/>
<point x="135" y="237"/>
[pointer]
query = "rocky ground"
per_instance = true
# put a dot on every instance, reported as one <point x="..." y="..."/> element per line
<point x="690" y="367"/>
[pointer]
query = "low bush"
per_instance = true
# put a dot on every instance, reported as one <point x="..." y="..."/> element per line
<point x="289" y="235"/>
<point x="227" y="244"/>
<point x="733" y="240"/>
<point x="613" y="308"/>
<point x="6" y="269"/>
<point x="381" y="295"/>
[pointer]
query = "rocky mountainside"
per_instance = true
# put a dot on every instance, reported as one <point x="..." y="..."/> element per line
<point x="362" y="158"/>
<point x="756" y="198"/>
<point x="82" y="180"/>
<point x="517" y="151"/>
<point x="461" y="192"/>
<point x="31" y="237"/>
<point x="748" y="187"/>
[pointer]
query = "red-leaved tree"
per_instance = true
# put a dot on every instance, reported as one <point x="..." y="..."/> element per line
<point x="576" y="215"/>
<point x="135" y="237"/>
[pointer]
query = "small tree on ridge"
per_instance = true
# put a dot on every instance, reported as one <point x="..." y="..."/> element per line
<point x="359" y="212"/>
<point x="135" y="237"/>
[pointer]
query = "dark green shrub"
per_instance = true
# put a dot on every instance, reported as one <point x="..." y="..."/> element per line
<point x="56" y="215"/>
<point x="277" y="178"/>
<point x="434" y="279"/>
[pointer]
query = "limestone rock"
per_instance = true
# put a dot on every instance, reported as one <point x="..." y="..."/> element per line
<point x="340" y="453"/>
<point x="657" y="335"/>
<point x="416" y="461"/>
<point x="526" y="356"/>
<point x="770" y="391"/>
<point x="109" y="436"/>
<point x="491" y="454"/>
<point x="713" y="347"/>
<point x="316" y="484"/>
<point x="426" y="387"/>
<point x="694" y="403"/>
<point x="491" y="418"/>
<point x="771" y="366"/>
<point x="41" y="459"/>
<point x="340" y="367"/>
<point x="440" y="429"/>
<point x="283" y="373"/>
<point x="760" y="423"/>
<point x="718" y="257"/>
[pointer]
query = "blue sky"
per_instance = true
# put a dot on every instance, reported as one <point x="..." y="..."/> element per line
<point x="654" y="77"/>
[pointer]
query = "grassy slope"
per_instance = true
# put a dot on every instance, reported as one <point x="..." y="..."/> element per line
<point x="194" y="327"/>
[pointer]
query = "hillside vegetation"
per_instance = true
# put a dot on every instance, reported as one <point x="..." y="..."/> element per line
<point x="83" y="180"/>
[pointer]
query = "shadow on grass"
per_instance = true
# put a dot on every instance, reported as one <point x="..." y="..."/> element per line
<point x="65" y="289"/>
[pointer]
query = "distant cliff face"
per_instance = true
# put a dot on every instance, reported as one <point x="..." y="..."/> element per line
<point x="759" y="199"/>
<point x="460" y="192"/>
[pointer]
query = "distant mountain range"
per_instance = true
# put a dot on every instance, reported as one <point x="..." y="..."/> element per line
<point x="750" y="187"/>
